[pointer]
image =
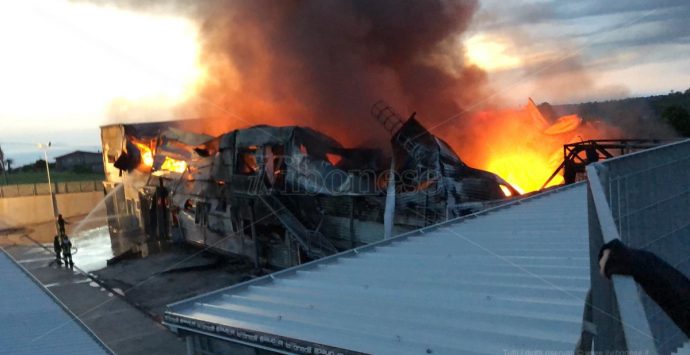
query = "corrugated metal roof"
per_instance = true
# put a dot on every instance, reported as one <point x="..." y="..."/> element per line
<point x="509" y="280"/>
<point x="32" y="322"/>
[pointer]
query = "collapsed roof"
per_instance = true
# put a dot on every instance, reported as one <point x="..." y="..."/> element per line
<point x="319" y="195"/>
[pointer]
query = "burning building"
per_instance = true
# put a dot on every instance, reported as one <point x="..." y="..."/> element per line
<point x="284" y="195"/>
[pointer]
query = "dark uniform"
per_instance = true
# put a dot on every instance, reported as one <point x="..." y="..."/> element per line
<point x="61" y="225"/>
<point x="57" y="246"/>
<point x="161" y="212"/>
<point x="67" y="250"/>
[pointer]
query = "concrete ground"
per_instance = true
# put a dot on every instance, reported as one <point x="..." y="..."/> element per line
<point x="121" y="326"/>
<point x="174" y="274"/>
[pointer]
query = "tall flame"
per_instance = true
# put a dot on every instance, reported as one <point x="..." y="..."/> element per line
<point x="522" y="146"/>
<point x="146" y="154"/>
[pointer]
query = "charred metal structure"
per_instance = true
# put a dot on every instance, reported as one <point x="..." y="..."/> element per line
<point x="576" y="156"/>
<point x="284" y="195"/>
<point x="130" y="182"/>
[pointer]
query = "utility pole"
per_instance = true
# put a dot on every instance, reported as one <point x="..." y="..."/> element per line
<point x="2" y="165"/>
<point x="44" y="148"/>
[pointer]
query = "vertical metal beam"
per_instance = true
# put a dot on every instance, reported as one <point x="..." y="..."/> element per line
<point x="237" y="227"/>
<point x="352" y="222"/>
<point x="288" y="244"/>
<point x="190" y="344"/>
<point x="389" y="212"/>
<point x="254" y="236"/>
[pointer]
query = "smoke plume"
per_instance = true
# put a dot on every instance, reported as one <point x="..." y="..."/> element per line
<point x="323" y="63"/>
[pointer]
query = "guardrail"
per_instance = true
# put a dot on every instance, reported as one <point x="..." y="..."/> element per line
<point x="20" y="190"/>
<point x="644" y="200"/>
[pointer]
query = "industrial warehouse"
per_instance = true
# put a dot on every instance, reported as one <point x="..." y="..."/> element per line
<point x="350" y="177"/>
<point x="321" y="198"/>
<point x="474" y="268"/>
<point x="278" y="239"/>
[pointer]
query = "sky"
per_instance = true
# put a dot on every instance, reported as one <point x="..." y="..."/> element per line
<point x="69" y="67"/>
<point x="65" y="66"/>
<point x="574" y="51"/>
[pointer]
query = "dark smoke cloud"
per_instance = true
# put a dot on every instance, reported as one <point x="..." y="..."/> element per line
<point x="323" y="63"/>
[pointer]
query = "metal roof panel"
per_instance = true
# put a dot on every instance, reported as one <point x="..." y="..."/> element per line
<point x="32" y="322"/>
<point x="514" y="278"/>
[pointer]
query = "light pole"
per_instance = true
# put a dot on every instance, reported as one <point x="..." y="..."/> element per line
<point x="2" y="165"/>
<point x="44" y="148"/>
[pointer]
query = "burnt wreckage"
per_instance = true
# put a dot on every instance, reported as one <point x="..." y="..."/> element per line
<point x="284" y="195"/>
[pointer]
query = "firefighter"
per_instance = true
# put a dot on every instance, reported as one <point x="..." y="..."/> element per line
<point x="67" y="251"/>
<point x="176" y="232"/>
<point x="61" y="225"/>
<point x="161" y="212"/>
<point x="57" y="246"/>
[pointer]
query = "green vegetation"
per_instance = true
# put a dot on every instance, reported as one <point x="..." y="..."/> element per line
<point x="655" y="116"/>
<point x="38" y="177"/>
<point x="35" y="173"/>
<point x="679" y="118"/>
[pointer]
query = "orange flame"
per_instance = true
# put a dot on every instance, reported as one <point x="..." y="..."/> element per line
<point x="333" y="158"/>
<point x="170" y="164"/>
<point x="564" y="124"/>
<point x="146" y="154"/>
<point x="522" y="146"/>
<point x="147" y="159"/>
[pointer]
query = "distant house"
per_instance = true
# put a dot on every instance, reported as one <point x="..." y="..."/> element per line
<point x="80" y="160"/>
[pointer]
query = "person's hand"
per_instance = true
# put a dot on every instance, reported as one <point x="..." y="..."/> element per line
<point x="615" y="259"/>
<point x="603" y="258"/>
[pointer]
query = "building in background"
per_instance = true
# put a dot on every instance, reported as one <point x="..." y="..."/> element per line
<point x="80" y="161"/>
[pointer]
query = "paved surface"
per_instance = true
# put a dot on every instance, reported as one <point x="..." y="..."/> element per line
<point x="123" y="328"/>
<point x="159" y="279"/>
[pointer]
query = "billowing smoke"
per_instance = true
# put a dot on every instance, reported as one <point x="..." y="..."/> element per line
<point x="323" y="63"/>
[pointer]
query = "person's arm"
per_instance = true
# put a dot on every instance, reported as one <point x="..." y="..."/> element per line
<point x="668" y="287"/>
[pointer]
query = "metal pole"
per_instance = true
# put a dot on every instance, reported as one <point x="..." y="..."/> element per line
<point x="50" y="185"/>
<point x="389" y="210"/>
<point x="2" y="165"/>
<point x="254" y="236"/>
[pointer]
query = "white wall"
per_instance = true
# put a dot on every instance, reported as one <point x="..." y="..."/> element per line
<point x="25" y="210"/>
